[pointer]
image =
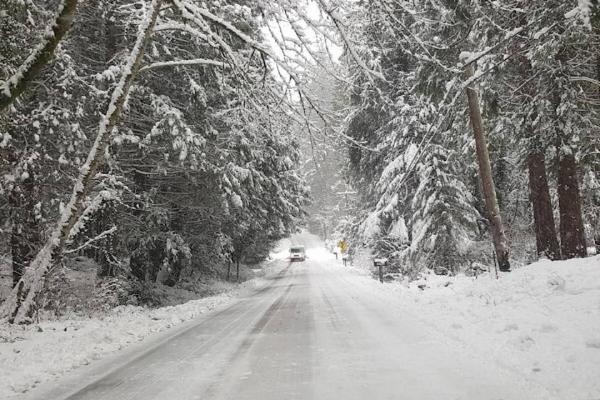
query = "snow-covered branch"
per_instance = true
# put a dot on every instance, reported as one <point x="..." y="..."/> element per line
<point x="178" y="63"/>
<point x="342" y="31"/>
<point x="92" y="240"/>
<point x="199" y="16"/>
<point x="469" y="58"/>
<point x="96" y="203"/>
<point x="173" y="26"/>
<point x="40" y="56"/>
<point x="585" y="79"/>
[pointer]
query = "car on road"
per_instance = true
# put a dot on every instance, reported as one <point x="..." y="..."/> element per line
<point x="297" y="253"/>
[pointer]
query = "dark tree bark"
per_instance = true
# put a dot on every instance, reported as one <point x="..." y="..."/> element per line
<point x="595" y="21"/>
<point x="543" y="215"/>
<point x="539" y="193"/>
<point x="237" y="271"/>
<point x="572" y="233"/>
<point x="485" y="173"/>
<point x="25" y="232"/>
<point x="38" y="59"/>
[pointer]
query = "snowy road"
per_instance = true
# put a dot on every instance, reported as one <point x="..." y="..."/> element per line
<point x="313" y="333"/>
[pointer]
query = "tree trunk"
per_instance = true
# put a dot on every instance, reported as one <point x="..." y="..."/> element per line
<point x="19" y="306"/>
<point x="237" y="271"/>
<point x="41" y="55"/>
<point x="595" y="21"/>
<point x="543" y="215"/>
<point x="485" y="173"/>
<point x="539" y="194"/>
<point x="572" y="234"/>
<point x="228" y="269"/>
<point x="25" y="234"/>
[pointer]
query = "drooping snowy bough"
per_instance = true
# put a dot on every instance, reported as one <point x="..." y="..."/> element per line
<point x="262" y="75"/>
<point x="19" y="307"/>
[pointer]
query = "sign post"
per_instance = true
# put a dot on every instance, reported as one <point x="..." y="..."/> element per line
<point x="343" y="245"/>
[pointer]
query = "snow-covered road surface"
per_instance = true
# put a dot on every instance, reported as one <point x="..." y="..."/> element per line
<point x="312" y="333"/>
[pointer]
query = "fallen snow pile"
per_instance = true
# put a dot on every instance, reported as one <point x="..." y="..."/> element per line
<point x="542" y="320"/>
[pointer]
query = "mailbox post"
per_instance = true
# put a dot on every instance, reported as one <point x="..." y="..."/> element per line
<point x="380" y="263"/>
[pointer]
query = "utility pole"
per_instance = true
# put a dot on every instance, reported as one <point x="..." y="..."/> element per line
<point x="485" y="173"/>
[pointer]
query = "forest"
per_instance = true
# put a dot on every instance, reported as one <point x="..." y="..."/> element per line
<point x="427" y="194"/>
<point x="170" y="140"/>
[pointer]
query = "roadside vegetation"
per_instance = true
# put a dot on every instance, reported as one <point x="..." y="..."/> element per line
<point x="172" y="143"/>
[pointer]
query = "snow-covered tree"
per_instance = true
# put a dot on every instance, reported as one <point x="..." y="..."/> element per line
<point x="219" y="121"/>
<point x="534" y="78"/>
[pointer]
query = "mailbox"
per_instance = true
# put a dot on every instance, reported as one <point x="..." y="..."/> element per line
<point x="380" y="263"/>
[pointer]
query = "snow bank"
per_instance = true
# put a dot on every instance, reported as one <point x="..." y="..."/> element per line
<point x="542" y="320"/>
<point x="33" y="354"/>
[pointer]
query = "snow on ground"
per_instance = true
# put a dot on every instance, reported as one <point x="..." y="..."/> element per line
<point x="542" y="320"/>
<point x="31" y="355"/>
